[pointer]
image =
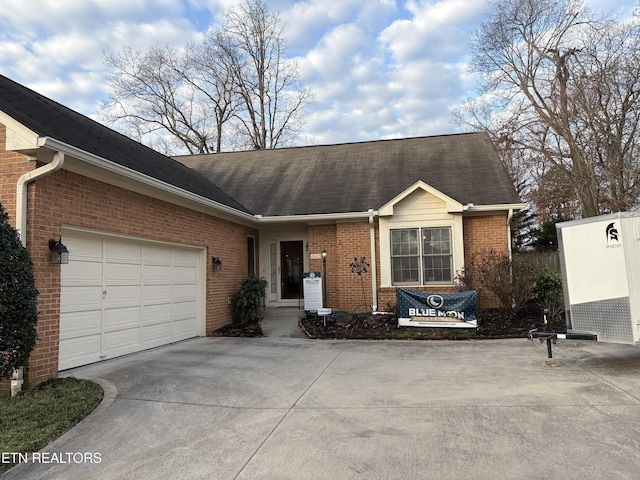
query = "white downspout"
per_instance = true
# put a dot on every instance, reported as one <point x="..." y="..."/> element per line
<point x="21" y="192"/>
<point x="21" y="226"/>
<point x="374" y="288"/>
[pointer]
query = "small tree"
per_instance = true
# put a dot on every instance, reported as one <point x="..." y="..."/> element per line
<point x="248" y="300"/>
<point x="18" y="294"/>
<point x="510" y="281"/>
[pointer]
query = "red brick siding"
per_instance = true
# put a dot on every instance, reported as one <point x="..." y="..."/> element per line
<point x="484" y="233"/>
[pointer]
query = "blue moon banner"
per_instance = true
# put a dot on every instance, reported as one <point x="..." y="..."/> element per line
<point x="421" y="309"/>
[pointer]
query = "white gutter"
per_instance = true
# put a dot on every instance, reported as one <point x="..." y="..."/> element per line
<point x="21" y="192"/>
<point x="470" y="207"/>
<point x="374" y="288"/>
<point x="316" y="217"/>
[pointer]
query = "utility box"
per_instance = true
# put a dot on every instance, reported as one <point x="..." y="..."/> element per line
<point x="600" y="262"/>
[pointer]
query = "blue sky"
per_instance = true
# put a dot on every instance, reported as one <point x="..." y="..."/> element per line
<point x="378" y="68"/>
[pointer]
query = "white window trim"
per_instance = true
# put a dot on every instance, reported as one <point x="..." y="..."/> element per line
<point x="457" y="246"/>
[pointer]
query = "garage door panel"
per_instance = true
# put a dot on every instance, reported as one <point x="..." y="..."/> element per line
<point x="185" y="257"/>
<point x="83" y="247"/>
<point x="121" y="318"/>
<point x="154" y="335"/>
<point x="79" y="324"/>
<point x="121" y="342"/>
<point x="155" y="294"/>
<point x="76" y="299"/>
<point x="183" y="310"/>
<point x="82" y="272"/>
<point x="183" y="329"/>
<point x="182" y="275"/>
<point x="152" y="254"/>
<point x="118" y="296"/>
<point x="122" y="273"/>
<point x="115" y="250"/>
<point x="79" y="351"/>
<point x="156" y="274"/>
<point x="153" y="314"/>
<point x="184" y="293"/>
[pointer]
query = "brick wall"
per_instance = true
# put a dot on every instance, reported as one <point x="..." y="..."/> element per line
<point x="483" y="233"/>
<point x="65" y="198"/>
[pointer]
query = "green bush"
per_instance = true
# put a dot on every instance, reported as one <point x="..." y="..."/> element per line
<point x="18" y="294"/>
<point x="547" y="291"/>
<point x="247" y="301"/>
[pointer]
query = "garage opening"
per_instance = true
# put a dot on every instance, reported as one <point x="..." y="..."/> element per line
<point x="121" y="295"/>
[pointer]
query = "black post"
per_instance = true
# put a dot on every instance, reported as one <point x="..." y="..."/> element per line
<point x="324" y="278"/>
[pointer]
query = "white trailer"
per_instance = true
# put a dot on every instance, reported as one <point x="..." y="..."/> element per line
<point x="600" y="263"/>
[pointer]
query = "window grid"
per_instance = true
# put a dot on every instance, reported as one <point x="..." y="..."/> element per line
<point x="421" y="262"/>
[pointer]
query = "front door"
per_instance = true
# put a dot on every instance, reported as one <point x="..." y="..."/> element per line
<point x="291" y="265"/>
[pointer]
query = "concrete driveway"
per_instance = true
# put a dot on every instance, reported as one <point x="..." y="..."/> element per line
<point x="285" y="408"/>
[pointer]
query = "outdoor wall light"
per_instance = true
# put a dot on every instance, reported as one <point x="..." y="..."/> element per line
<point x="217" y="263"/>
<point x="59" y="253"/>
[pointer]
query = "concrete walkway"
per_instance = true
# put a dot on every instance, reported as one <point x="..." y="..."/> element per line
<point x="282" y="323"/>
<point x="288" y="408"/>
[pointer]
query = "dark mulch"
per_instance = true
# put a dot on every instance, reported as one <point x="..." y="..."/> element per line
<point x="491" y="324"/>
<point x="249" y="329"/>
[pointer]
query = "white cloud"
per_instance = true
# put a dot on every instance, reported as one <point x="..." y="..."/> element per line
<point x="378" y="68"/>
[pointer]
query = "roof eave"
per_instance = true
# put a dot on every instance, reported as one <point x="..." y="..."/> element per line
<point x="102" y="163"/>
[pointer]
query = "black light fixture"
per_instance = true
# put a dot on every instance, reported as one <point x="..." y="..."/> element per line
<point x="217" y="263"/>
<point x="59" y="253"/>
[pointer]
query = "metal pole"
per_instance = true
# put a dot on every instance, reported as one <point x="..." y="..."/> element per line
<point x="324" y="278"/>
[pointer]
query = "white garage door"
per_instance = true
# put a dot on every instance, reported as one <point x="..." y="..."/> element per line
<point x="120" y="296"/>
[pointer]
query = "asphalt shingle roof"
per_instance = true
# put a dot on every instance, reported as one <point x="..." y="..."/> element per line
<point x="51" y="119"/>
<point x="355" y="177"/>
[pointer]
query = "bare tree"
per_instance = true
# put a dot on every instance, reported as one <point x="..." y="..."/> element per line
<point x="273" y="97"/>
<point x="563" y="86"/>
<point x="160" y="98"/>
<point x="235" y="89"/>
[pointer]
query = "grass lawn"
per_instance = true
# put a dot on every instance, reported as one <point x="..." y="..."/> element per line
<point x="30" y="421"/>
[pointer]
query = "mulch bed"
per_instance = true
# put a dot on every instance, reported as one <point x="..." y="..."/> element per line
<point x="249" y="329"/>
<point x="492" y="324"/>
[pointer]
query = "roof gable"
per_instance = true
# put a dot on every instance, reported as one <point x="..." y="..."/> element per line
<point x="451" y="205"/>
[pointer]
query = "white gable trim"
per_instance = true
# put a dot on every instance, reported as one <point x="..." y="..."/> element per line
<point x="19" y="137"/>
<point x="452" y="206"/>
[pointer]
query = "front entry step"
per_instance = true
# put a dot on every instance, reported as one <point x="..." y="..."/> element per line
<point x="283" y="312"/>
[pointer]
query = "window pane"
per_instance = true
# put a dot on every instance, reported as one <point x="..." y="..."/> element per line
<point x="405" y="270"/>
<point x="404" y="242"/>
<point x="435" y="241"/>
<point x="437" y="268"/>
<point x="437" y="259"/>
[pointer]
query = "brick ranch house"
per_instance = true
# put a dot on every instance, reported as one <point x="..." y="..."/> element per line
<point x="143" y="229"/>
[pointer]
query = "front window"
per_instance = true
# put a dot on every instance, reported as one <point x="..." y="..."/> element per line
<point x="421" y="256"/>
